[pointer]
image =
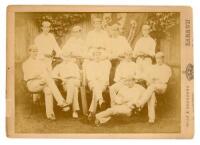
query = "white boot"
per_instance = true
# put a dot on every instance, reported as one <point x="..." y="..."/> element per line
<point x="75" y="114"/>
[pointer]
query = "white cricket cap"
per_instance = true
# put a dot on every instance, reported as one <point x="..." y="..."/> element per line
<point x="76" y="28"/>
<point x="33" y="47"/>
<point x="145" y="26"/>
<point x="46" y="23"/>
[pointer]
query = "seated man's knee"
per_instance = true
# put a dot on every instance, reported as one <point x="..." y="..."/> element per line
<point x="34" y="86"/>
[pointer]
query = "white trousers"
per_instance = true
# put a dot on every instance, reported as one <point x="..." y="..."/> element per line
<point x="71" y="87"/>
<point x="97" y="90"/>
<point x="150" y="98"/>
<point x="106" y="115"/>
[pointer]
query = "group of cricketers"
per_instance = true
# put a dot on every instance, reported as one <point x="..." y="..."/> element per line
<point x="103" y="60"/>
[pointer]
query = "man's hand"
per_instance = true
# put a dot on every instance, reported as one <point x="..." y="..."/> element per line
<point x="42" y="82"/>
<point x="118" y="100"/>
<point x="37" y="77"/>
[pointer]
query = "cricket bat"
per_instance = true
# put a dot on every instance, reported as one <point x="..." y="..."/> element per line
<point x="83" y="94"/>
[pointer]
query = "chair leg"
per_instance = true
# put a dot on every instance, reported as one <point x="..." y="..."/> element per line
<point x="32" y="107"/>
<point x="35" y="106"/>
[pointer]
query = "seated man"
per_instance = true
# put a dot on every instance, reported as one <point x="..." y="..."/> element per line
<point x="75" y="43"/>
<point x="125" y="68"/>
<point x="125" y="94"/>
<point x="38" y="79"/>
<point x="68" y="71"/>
<point x="157" y="83"/>
<point x="97" y="74"/>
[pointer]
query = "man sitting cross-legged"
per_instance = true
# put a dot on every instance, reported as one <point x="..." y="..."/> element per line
<point x="38" y="78"/>
<point x="68" y="71"/>
<point x="125" y="95"/>
<point x="97" y="74"/>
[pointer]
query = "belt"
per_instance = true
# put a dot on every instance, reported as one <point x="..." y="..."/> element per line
<point x="144" y="56"/>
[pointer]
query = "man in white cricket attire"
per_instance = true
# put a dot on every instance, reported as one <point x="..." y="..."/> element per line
<point x="157" y="83"/>
<point x="126" y="67"/>
<point x="125" y="95"/>
<point x="38" y="79"/>
<point x="75" y="44"/>
<point x="118" y="44"/>
<point x="68" y="71"/>
<point x="97" y="74"/>
<point x="46" y="44"/>
<point x="97" y="37"/>
<point x="144" y="49"/>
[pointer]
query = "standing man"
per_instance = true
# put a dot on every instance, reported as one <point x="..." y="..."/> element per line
<point x="144" y="50"/>
<point x="97" y="37"/>
<point x="117" y="46"/>
<point x="68" y="71"/>
<point x="77" y="47"/>
<point x="125" y="95"/>
<point x="38" y="79"/>
<point x="97" y="74"/>
<point x="46" y="44"/>
<point x="157" y="83"/>
<point x="75" y="44"/>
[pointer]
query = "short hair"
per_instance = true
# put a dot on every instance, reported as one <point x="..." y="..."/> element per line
<point x="129" y="78"/>
<point x="68" y="54"/>
<point x="115" y="27"/>
<point x="46" y="22"/>
<point x="146" y="26"/>
<point x="32" y="47"/>
<point x="76" y="28"/>
<point x="159" y="54"/>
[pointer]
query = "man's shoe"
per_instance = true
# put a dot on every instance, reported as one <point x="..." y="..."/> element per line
<point x="52" y="117"/>
<point x="75" y="114"/>
<point x="97" y="123"/>
<point x="151" y="121"/>
<point x="66" y="109"/>
<point x="63" y="104"/>
<point x="91" y="117"/>
<point x="103" y="106"/>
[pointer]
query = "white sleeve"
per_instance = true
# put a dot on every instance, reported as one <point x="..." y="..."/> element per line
<point x="117" y="77"/>
<point x="152" y="48"/>
<point x="168" y="74"/>
<point x="67" y="46"/>
<point x="90" y="72"/>
<point x="55" y="72"/>
<point x="36" y="41"/>
<point x="88" y="40"/>
<point x="127" y="46"/>
<point x="137" y="47"/>
<point x="25" y="72"/>
<point x="55" y="46"/>
<point x="107" y="71"/>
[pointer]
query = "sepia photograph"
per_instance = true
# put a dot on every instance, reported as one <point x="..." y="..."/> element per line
<point x="122" y="72"/>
